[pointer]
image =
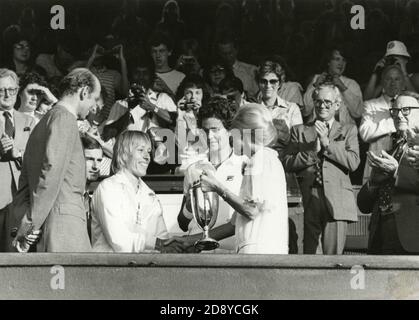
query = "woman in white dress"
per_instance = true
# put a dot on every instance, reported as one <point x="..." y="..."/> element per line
<point x="127" y="215"/>
<point x="261" y="212"/>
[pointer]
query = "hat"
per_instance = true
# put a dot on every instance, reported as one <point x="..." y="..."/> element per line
<point x="396" y="48"/>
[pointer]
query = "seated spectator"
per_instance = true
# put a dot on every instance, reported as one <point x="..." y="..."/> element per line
<point x="168" y="79"/>
<point x="19" y="55"/>
<point x="376" y="120"/>
<point x="93" y="155"/>
<point x="391" y="192"/>
<point x="59" y="63"/>
<point x="323" y="153"/>
<point x="127" y="215"/>
<point x="334" y="66"/>
<point x="188" y="61"/>
<point x="34" y="96"/>
<point x="284" y="114"/>
<point x="214" y="73"/>
<point x="114" y="82"/>
<point x="227" y="51"/>
<point x="215" y="119"/>
<point x="261" y="213"/>
<point x="396" y="54"/>
<point x="232" y="89"/>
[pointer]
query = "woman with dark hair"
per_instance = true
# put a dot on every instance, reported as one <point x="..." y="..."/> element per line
<point x="19" y="55"/>
<point x="215" y="71"/>
<point x="333" y="66"/>
<point x="34" y="96"/>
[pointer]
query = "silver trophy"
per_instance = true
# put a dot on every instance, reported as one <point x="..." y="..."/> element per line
<point x="204" y="206"/>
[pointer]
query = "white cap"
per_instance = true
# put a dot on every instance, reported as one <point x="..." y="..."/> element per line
<point x="396" y="48"/>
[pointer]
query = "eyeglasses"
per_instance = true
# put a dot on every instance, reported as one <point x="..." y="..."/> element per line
<point x="405" y="111"/>
<point x="217" y="69"/>
<point x="327" y="103"/>
<point x="21" y="46"/>
<point x="265" y="82"/>
<point x="10" y="91"/>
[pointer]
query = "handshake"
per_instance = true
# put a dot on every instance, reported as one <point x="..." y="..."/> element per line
<point x="185" y="244"/>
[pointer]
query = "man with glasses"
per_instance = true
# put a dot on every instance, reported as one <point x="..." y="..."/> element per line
<point x="323" y="153"/>
<point x="15" y="128"/>
<point x="391" y="192"/>
<point x="376" y="121"/>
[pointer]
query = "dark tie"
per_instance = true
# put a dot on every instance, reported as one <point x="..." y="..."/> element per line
<point x="385" y="202"/>
<point x="318" y="174"/>
<point x="9" y="129"/>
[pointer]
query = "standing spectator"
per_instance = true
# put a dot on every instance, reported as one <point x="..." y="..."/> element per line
<point x="323" y="153"/>
<point x="396" y="54"/>
<point x="227" y="50"/>
<point x="376" y="120"/>
<point x="214" y="73"/>
<point x="391" y="192"/>
<point x="171" y="23"/>
<point x="334" y="66"/>
<point x="168" y="79"/>
<point x="15" y="128"/>
<point x="34" y="96"/>
<point x="54" y="170"/>
<point x="285" y="114"/>
<point x="114" y="82"/>
<point x="188" y="61"/>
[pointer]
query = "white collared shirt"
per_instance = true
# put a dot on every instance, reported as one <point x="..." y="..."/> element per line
<point x="285" y="110"/>
<point x="229" y="173"/>
<point x="126" y="220"/>
<point x="142" y="119"/>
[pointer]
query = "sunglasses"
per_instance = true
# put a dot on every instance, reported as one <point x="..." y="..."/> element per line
<point x="217" y="69"/>
<point x="35" y="92"/>
<point x="405" y="111"/>
<point x="21" y="46"/>
<point x="271" y="82"/>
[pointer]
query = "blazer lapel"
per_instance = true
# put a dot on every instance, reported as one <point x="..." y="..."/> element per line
<point x="309" y="133"/>
<point x="335" y="131"/>
<point x="19" y="126"/>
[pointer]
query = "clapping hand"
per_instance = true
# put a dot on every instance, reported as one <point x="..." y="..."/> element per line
<point x="413" y="137"/>
<point x="385" y="163"/>
<point x="322" y="133"/>
<point x="6" y="144"/>
<point x="413" y="156"/>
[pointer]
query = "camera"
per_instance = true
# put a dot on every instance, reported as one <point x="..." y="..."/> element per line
<point x="390" y="61"/>
<point x="137" y="93"/>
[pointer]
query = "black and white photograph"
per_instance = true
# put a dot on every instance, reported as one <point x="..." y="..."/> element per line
<point x="219" y="153"/>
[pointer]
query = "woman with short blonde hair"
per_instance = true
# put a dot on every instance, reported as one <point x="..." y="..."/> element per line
<point x="127" y="215"/>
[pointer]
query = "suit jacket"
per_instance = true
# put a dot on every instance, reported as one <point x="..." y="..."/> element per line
<point x="52" y="182"/>
<point x="9" y="169"/>
<point x="341" y="157"/>
<point x="405" y="199"/>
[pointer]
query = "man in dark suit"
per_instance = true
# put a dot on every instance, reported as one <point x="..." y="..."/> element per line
<point x="323" y="153"/>
<point x="392" y="191"/>
<point x="15" y="128"/>
<point x="52" y="183"/>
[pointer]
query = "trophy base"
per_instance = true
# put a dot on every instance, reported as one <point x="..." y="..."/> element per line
<point x="206" y="244"/>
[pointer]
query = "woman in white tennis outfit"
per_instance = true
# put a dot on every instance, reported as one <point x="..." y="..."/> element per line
<point x="261" y="211"/>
